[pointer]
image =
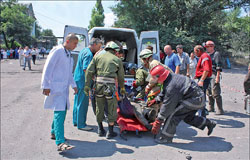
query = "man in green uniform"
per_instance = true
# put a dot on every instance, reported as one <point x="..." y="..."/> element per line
<point x="149" y="63"/>
<point x="140" y="81"/>
<point x="107" y="68"/>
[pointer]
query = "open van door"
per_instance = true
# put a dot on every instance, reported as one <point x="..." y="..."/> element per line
<point x="82" y="34"/>
<point x="149" y="38"/>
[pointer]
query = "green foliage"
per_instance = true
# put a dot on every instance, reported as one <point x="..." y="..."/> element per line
<point x="178" y="22"/>
<point x="48" y="34"/>
<point x="15" y="23"/>
<point x="97" y="15"/>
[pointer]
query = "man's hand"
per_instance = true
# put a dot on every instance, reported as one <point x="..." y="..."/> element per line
<point x="123" y="91"/>
<point x="134" y="84"/>
<point x="217" y="80"/>
<point x="86" y="90"/>
<point x="46" y="92"/>
<point x="188" y="75"/>
<point x="156" y="126"/>
<point x="75" y="90"/>
<point x="200" y="83"/>
<point x="150" y="103"/>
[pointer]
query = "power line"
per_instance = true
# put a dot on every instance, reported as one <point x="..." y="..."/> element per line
<point x="50" y="18"/>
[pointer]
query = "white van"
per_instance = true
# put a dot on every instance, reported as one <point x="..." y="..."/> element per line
<point x="127" y="37"/>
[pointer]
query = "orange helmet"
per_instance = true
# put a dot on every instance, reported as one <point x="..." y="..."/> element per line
<point x="160" y="72"/>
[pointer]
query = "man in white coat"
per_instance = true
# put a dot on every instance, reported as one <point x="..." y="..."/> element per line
<point x="56" y="79"/>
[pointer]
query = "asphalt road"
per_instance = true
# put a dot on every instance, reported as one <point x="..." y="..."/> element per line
<point x="25" y="126"/>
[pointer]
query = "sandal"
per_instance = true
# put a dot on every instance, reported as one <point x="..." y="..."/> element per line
<point x="64" y="147"/>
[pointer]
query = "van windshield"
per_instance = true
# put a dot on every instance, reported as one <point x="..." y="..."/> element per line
<point x="81" y="43"/>
<point x="147" y="42"/>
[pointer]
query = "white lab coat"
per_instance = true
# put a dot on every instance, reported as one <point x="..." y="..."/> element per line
<point x="57" y="76"/>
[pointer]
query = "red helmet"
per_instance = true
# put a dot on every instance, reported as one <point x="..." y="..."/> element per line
<point x="160" y="72"/>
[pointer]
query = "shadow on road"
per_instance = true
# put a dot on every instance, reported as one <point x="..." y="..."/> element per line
<point x="101" y="148"/>
<point x="236" y="114"/>
<point x="205" y="144"/>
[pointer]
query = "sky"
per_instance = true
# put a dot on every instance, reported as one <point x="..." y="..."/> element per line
<point x="56" y="14"/>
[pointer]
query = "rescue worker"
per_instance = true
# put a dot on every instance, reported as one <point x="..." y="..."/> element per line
<point x="181" y="97"/>
<point x="149" y="63"/>
<point x="106" y="67"/>
<point x="56" y="78"/>
<point x="214" y="89"/>
<point x="81" y="101"/>
<point x="140" y="81"/>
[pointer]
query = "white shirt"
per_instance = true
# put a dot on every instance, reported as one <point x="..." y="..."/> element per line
<point x="193" y="63"/>
<point x="57" y="76"/>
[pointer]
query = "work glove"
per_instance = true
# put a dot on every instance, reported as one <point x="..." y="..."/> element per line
<point x="86" y="90"/>
<point x="134" y="84"/>
<point x="150" y="103"/>
<point x="147" y="89"/>
<point x="156" y="126"/>
<point x="123" y="91"/>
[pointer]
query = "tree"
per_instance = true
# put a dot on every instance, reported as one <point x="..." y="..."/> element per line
<point x="97" y="15"/>
<point x="15" y="23"/>
<point x="48" y="35"/>
<point x="238" y="30"/>
<point x="178" y="22"/>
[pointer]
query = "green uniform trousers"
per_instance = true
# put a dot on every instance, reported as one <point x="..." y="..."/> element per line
<point x="105" y="94"/>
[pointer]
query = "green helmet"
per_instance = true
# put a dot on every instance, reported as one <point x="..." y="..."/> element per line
<point x="112" y="45"/>
<point x="145" y="53"/>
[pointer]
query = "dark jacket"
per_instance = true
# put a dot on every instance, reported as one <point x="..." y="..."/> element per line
<point x="179" y="90"/>
<point x="247" y="83"/>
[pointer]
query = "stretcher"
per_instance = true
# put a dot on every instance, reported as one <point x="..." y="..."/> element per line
<point x="128" y="121"/>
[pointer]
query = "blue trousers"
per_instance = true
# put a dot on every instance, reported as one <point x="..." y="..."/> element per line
<point x="27" y="60"/>
<point x="81" y="103"/>
<point x="57" y="126"/>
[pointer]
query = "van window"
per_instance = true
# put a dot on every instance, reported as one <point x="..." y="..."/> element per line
<point x="149" y="42"/>
<point x="81" y="43"/>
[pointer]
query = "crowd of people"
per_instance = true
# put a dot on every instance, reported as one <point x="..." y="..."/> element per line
<point x="24" y="54"/>
<point x="175" y="87"/>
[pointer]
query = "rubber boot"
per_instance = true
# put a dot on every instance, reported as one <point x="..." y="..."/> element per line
<point x="101" y="131"/>
<point x="111" y="133"/>
<point x="210" y="126"/>
<point x="163" y="139"/>
<point x="210" y="103"/>
<point x="220" y="110"/>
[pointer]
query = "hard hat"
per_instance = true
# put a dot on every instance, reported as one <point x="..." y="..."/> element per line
<point x="160" y="72"/>
<point x="132" y="66"/>
<point x="145" y="53"/>
<point x="112" y="45"/>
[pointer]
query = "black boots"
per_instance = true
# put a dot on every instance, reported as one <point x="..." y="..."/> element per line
<point x="111" y="133"/>
<point x="101" y="131"/>
<point x="210" y="126"/>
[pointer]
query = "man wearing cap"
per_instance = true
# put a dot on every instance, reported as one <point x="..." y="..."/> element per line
<point x="81" y="101"/>
<point x="172" y="60"/>
<point x="181" y="97"/>
<point x="184" y="59"/>
<point x="149" y="63"/>
<point x="214" y="90"/>
<point x="106" y="67"/>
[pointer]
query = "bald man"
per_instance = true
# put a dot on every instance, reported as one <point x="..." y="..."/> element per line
<point x="172" y="60"/>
